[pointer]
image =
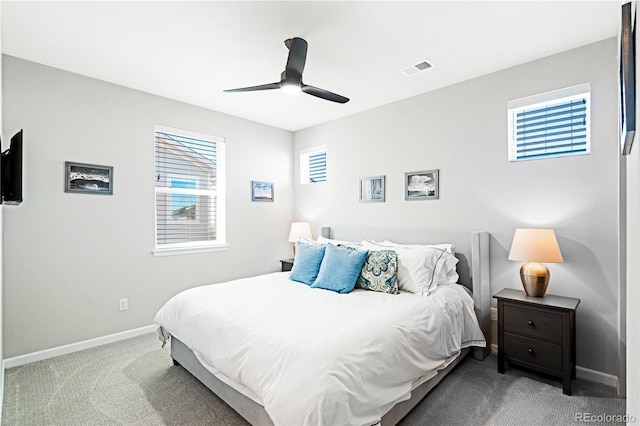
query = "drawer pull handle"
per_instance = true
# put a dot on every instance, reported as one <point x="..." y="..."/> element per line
<point x="530" y="351"/>
<point x="530" y="323"/>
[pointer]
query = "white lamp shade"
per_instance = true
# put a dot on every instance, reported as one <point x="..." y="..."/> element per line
<point x="299" y="230"/>
<point x="535" y="245"/>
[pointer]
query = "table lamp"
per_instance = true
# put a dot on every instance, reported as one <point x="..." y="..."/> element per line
<point x="299" y="230"/>
<point x="533" y="246"/>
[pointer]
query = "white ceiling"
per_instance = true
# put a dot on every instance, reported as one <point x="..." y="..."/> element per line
<point x="191" y="51"/>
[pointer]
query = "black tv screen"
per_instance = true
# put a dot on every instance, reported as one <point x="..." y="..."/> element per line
<point x="627" y="79"/>
<point x="11" y="171"/>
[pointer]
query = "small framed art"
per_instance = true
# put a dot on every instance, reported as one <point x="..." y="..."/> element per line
<point x="421" y="185"/>
<point x="88" y="178"/>
<point x="261" y="191"/>
<point x="372" y="189"/>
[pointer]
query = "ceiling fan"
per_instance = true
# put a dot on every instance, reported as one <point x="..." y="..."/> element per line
<point x="291" y="77"/>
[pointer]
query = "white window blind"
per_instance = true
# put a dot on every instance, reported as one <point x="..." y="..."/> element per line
<point x="318" y="167"/>
<point x="554" y="124"/>
<point x="313" y="166"/>
<point x="189" y="186"/>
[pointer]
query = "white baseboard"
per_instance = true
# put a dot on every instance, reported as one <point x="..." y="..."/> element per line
<point x="75" y="347"/>
<point x="583" y="373"/>
<point x="596" y="376"/>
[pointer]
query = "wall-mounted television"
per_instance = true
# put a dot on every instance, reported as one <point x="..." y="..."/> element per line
<point x="11" y="172"/>
<point x="627" y="79"/>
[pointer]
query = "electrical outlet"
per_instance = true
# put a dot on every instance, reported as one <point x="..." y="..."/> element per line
<point x="494" y="314"/>
<point x="123" y="304"/>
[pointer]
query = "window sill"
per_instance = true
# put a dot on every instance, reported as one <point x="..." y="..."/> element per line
<point x="174" y="251"/>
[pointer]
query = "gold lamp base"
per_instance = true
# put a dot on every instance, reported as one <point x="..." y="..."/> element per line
<point x="535" y="278"/>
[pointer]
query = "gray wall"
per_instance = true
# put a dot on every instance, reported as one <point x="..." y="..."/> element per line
<point x="69" y="257"/>
<point x="462" y="131"/>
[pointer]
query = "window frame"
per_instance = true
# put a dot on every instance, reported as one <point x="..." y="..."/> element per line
<point x="581" y="91"/>
<point x="220" y="243"/>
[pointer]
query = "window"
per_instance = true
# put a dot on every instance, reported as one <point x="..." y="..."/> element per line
<point x="553" y="124"/>
<point x="182" y="205"/>
<point x="313" y="165"/>
<point x="189" y="186"/>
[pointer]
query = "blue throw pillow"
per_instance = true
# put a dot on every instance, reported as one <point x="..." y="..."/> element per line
<point x="340" y="269"/>
<point x="307" y="262"/>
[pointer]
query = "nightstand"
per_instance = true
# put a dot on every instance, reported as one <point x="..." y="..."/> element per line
<point x="538" y="333"/>
<point x="287" y="264"/>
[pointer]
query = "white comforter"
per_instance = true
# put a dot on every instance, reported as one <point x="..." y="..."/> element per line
<point x="313" y="356"/>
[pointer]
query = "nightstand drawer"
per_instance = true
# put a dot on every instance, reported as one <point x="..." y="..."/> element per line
<point x="531" y="351"/>
<point x="532" y="322"/>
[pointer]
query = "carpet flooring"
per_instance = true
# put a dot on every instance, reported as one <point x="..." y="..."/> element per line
<point x="134" y="382"/>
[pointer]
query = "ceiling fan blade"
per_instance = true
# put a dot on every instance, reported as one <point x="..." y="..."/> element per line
<point x="324" y="94"/>
<point x="296" y="60"/>
<point x="255" y="88"/>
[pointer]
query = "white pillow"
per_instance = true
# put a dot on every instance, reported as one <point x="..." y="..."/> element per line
<point x="420" y="267"/>
<point x="450" y="248"/>
<point x="445" y="271"/>
<point x="323" y="240"/>
<point x="307" y="240"/>
<point x="374" y="245"/>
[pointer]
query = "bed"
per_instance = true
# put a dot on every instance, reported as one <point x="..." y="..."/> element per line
<point x="320" y="368"/>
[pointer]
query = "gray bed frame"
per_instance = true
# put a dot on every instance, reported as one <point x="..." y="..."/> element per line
<point x="472" y="249"/>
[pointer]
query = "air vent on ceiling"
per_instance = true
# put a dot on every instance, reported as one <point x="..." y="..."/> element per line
<point x="414" y="69"/>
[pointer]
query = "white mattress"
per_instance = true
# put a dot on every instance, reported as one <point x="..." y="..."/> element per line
<point x="312" y="356"/>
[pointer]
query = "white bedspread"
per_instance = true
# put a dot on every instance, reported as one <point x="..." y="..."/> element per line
<point x="313" y="356"/>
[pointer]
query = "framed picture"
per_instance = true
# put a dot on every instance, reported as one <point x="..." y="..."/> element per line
<point x="372" y="189"/>
<point x="88" y="178"/>
<point x="261" y="191"/>
<point x="421" y="185"/>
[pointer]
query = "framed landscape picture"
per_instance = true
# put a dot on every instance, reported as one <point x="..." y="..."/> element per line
<point x="88" y="178"/>
<point x="372" y="189"/>
<point x="421" y="185"/>
<point x="261" y="191"/>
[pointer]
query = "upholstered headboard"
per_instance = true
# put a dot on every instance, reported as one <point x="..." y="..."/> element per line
<point x="471" y="248"/>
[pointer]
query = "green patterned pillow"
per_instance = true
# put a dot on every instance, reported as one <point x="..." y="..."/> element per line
<point x="379" y="272"/>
